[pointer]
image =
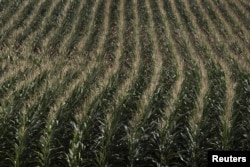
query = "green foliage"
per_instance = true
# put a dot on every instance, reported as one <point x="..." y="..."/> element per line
<point x="74" y="111"/>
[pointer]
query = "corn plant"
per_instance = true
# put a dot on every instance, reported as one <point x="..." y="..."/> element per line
<point x="13" y="148"/>
<point x="35" y="24"/>
<point x="49" y="26"/>
<point x="27" y="11"/>
<point x="91" y="43"/>
<point x="135" y="83"/>
<point x="244" y="19"/>
<point x="235" y="27"/>
<point x="81" y="27"/>
<point x="4" y="5"/>
<point x="54" y="43"/>
<point x="14" y="6"/>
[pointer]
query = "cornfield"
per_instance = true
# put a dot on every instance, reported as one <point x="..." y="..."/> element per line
<point x="115" y="83"/>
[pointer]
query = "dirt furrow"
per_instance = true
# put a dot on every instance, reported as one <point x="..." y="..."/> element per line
<point x="135" y="66"/>
<point x="63" y="13"/>
<point x="82" y="43"/>
<point x="238" y="16"/>
<point x="230" y="84"/>
<point x="5" y="9"/>
<point x="66" y="39"/>
<point x="12" y="69"/>
<point x="102" y="83"/>
<point x="157" y="61"/>
<point x="242" y="8"/>
<point x="99" y="49"/>
<point x="241" y="58"/>
<point x="203" y="72"/>
<point x="15" y="17"/>
<point x="179" y="63"/>
<point x="112" y="70"/>
<point x="28" y="20"/>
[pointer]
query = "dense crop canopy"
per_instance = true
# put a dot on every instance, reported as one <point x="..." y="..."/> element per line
<point x="123" y="82"/>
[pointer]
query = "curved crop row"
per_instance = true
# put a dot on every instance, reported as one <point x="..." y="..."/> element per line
<point x="123" y="83"/>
